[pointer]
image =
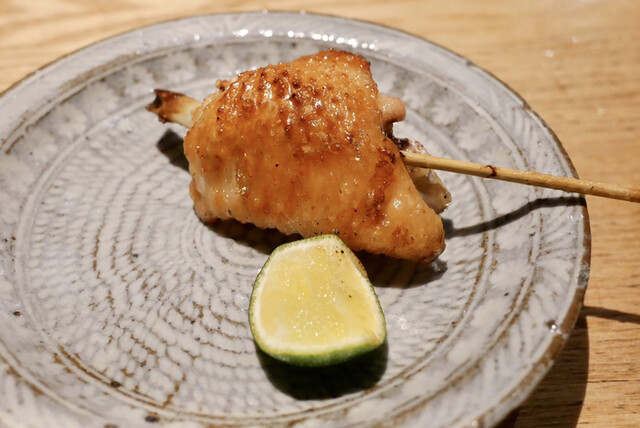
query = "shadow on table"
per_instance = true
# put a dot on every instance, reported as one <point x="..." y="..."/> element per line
<point x="557" y="401"/>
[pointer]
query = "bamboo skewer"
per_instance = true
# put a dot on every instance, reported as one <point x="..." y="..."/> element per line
<point x="174" y="107"/>
<point x="531" y="178"/>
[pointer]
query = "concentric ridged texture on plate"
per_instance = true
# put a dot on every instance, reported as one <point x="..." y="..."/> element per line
<point x="118" y="307"/>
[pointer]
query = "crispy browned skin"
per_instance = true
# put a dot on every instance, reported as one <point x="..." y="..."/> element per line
<point x="300" y="147"/>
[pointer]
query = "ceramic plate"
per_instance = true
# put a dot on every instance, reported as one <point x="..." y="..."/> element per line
<point x="118" y="307"/>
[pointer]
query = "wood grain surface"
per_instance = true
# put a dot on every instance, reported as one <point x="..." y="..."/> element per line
<point x="576" y="62"/>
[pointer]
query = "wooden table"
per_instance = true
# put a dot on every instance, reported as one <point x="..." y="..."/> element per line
<point x="576" y="62"/>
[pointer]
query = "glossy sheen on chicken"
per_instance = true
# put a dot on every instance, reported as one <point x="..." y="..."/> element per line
<point x="300" y="147"/>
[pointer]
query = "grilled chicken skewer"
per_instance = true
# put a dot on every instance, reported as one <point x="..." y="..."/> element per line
<point x="178" y="108"/>
<point x="304" y="147"/>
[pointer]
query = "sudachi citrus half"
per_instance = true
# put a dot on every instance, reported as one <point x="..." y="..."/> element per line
<point x="313" y="304"/>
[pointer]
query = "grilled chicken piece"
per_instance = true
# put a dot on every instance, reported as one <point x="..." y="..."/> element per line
<point x="301" y="147"/>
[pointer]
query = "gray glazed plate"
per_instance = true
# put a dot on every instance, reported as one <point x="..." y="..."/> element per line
<point x="119" y="308"/>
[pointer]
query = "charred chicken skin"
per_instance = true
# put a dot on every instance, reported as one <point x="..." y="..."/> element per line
<point x="305" y="147"/>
